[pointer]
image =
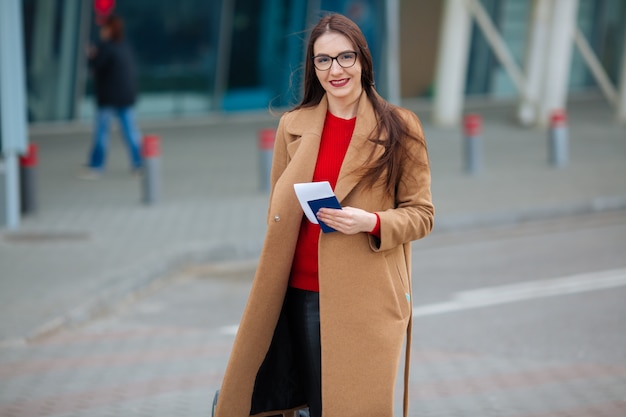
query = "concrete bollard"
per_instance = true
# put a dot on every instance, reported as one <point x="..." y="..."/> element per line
<point x="472" y="143"/>
<point x="151" y="178"/>
<point x="266" y="139"/>
<point x="558" y="141"/>
<point x="28" y="180"/>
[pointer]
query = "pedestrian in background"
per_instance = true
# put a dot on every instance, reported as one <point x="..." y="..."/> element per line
<point x="114" y="75"/>
<point x="328" y="313"/>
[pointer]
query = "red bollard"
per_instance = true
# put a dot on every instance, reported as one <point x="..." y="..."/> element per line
<point x="151" y="179"/>
<point x="266" y="149"/>
<point x="472" y="143"/>
<point x="28" y="180"/>
<point x="558" y="142"/>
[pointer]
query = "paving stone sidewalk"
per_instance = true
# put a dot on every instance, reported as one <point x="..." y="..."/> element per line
<point x="163" y="354"/>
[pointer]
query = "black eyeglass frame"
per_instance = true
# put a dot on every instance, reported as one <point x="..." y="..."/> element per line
<point x="334" y="58"/>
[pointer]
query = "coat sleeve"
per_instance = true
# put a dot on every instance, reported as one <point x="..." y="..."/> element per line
<point x="412" y="217"/>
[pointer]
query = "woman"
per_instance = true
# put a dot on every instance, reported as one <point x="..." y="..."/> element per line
<point x="328" y="312"/>
<point x="115" y="85"/>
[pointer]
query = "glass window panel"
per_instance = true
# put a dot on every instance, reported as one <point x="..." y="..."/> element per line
<point x="266" y="54"/>
<point x="175" y="43"/>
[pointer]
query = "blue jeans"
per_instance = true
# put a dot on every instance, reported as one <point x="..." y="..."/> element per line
<point x="130" y="131"/>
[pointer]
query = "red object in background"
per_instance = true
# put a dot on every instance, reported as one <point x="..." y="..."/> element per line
<point x="472" y="125"/>
<point x="29" y="160"/>
<point x="151" y="147"/>
<point x="266" y="139"/>
<point x="558" y="118"/>
<point x="103" y="7"/>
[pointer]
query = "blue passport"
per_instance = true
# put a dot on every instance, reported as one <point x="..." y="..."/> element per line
<point x="327" y="202"/>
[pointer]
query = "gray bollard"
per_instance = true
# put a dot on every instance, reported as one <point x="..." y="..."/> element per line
<point x="266" y="139"/>
<point x="558" y="141"/>
<point x="28" y="180"/>
<point x="151" y="179"/>
<point x="472" y="144"/>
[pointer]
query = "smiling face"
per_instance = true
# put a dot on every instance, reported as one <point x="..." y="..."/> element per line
<point x="341" y="84"/>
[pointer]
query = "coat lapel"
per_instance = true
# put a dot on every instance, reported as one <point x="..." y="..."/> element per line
<point x="359" y="149"/>
<point x="307" y="128"/>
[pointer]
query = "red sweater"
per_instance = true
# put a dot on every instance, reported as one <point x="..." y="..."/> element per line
<point x="334" y="143"/>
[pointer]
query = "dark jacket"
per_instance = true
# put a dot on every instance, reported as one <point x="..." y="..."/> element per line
<point x="114" y="72"/>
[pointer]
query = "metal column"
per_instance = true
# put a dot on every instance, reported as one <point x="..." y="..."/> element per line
<point x="451" y="71"/>
<point x="558" y="58"/>
<point x="223" y="53"/>
<point x="620" y="113"/>
<point x="392" y="15"/>
<point x="13" y="99"/>
<point x="42" y="60"/>
<point x="535" y="57"/>
<point x="64" y="103"/>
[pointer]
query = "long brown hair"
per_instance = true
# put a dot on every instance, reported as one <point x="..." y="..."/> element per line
<point x="392" y="131"/>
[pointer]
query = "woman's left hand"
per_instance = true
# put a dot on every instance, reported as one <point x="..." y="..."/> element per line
<point x="348" y="220"/>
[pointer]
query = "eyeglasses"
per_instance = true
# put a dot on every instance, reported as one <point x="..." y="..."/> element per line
<point x="345" y="60"/>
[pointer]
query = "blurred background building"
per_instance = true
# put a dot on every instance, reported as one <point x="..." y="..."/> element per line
<point x="199" y="58"/>
<point x="202" y="56"/>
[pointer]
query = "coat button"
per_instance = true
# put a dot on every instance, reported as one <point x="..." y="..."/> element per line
<point x="277" y="218"/>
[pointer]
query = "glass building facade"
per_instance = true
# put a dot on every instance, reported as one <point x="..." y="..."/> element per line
<point x="602" y="22"/>
<point x="194" y="56"/>
<point x="202" y="56"/>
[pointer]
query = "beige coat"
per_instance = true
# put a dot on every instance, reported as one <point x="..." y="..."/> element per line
<point x="365" y="284"/>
